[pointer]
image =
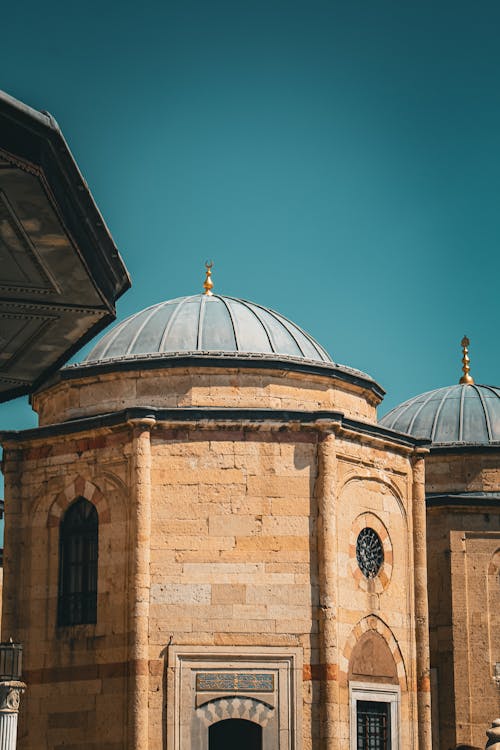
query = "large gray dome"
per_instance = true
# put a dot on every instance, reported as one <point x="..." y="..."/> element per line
<point x="204" y="324"/>
<point x="457" y="414"/>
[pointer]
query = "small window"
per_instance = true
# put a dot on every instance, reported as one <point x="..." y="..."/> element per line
<point x="369" y="552"/>
<point x="373" y="725"/>
<point x="374" y="716"/>
<point x="78" y="552"/>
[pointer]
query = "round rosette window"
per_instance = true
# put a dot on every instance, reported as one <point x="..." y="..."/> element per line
<point x="369" y="552"/>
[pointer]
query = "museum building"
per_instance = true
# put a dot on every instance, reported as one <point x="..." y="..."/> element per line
<point x="219" y="543"/>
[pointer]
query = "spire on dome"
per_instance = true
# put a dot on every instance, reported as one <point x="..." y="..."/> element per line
<point x="208" y="284"/>
<point x="466" y="378"/>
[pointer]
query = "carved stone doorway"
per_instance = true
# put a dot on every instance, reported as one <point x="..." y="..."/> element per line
<point x="235" y="733"/>
<point x="234" y="698"/>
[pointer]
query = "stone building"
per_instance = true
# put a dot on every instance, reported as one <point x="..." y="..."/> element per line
<point x="462" y="424"/>
<point x="219" y="544"/>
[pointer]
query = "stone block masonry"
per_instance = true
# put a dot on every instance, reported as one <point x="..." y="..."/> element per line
<point x="219" y="539"/>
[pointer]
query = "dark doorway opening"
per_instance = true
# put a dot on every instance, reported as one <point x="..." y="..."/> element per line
<point x="235" y="734"/>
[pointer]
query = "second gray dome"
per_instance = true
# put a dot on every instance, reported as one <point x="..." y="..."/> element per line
<point x="456" y="414"/>
<point x="203" y="324"/>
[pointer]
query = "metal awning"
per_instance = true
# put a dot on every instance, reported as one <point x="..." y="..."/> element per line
<point x="60" y="271"/>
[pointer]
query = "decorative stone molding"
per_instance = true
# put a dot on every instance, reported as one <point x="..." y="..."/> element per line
<point x="377" y="692"/>
<point x="350" y="475"/>
<point x="208" y="684"/>
<point x="235" y="708"/>
<point x="372" y="622"/>
<point x="10" y="696"/>
<point x="79" y="488"/>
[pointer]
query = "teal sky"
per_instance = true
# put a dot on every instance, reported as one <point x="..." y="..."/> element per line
<point x="339" y="161"/>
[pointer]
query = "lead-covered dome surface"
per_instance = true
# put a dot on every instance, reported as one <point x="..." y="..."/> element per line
<point x="456" y="414"/>
<point x="202" y="324"/>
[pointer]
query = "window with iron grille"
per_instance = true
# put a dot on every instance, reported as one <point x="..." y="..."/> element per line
<point x="373" y="725"/>
<point x="78" y="552"/>
<point x="369" y="552"/>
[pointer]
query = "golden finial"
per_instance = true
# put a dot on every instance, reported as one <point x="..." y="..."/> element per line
<point x="208" y="284"/>
<point x="466" y="378"/>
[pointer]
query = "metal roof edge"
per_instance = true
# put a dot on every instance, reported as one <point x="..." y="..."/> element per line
<point x="43" y="125"/>
<point x="24" y="390"/>
<point x="222" y="359"/>
<point x="385" y="433"/>
<point x="24" y="110"/>
<point x="461" y="448"/>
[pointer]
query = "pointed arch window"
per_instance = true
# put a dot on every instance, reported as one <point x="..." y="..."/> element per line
<point x="78" y="553"/>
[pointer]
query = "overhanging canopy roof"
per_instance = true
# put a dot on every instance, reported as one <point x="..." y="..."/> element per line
<point x="60" y="271"/>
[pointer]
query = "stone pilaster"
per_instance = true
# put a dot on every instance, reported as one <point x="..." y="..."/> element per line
<point x="12" y="567"/>
<point x="140" y="584"/>
<point x="328" y="564"/>
<point x="421" y="606"/>
<point x="10" y="697"/>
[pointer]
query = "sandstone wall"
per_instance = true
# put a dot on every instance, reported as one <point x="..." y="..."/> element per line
<point x="201" y="386"/>
<point x="232" y="561"/>
<point x="233" y="546"/>
<point x="472" y="471"/>
<point x="234" y="557"/>
<point x="464" y="574"/>
<point x="77" y="676"/>
<point x="375" y="491"/>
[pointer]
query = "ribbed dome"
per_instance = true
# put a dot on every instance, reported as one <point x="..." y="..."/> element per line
<point x="203" y="324"/>
<point x="456" y="414"/>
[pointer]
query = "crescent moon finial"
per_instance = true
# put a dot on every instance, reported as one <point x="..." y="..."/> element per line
<point x="466" y="378"/>
<point x="208" y="284"/>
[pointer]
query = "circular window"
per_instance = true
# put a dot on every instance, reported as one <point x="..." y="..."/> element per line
<point x="369" y="552"/>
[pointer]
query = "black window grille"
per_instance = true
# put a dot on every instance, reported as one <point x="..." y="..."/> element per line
<point x="369" y="552"/>
<point x="373" y="725"/>
<point x="78" y="552"/>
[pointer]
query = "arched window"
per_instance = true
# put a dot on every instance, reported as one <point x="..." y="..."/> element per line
<point x="78" y="551"/>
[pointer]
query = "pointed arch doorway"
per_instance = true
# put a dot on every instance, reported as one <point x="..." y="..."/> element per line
<point x="235" y="733"/>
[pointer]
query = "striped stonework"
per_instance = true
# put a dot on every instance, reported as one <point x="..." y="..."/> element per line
<point x="372" y="622"/>
<point x="80" y="487"/>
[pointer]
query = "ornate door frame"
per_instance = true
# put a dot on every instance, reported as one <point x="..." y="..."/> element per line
<point x="206" y="684"/>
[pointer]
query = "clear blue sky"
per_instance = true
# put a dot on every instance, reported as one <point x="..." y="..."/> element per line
<point x="339" y="161"/>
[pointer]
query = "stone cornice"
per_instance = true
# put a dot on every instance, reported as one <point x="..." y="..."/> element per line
<point x="463" y="499"/>
<point x="207" y="417"/>
<point x="225" y="360"/>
